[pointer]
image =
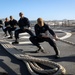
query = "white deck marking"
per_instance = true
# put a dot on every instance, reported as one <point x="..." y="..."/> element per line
<point x="68" y="34"/>
<point x="25" y="37"/>
<point x="25" y="42"/>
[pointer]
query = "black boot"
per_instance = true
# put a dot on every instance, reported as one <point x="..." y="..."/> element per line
<point x="40" y="49"/>
<point x="15" y="42"/>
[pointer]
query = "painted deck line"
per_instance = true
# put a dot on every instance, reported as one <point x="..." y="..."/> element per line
<point x="68" y="34"/>
<point x="25" y="42"/>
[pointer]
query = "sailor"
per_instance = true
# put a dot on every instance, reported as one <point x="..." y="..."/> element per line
<point x="42" y="32"/>
<point x="24" y="26"/>
<point x="13" y="24"/>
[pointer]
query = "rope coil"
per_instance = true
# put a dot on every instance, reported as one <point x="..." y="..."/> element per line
<point x="56" y="68"/>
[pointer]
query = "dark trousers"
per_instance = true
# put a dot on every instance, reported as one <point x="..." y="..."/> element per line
<point x="6" y="29"/>
<point x="36" y="41"/>
<point x="10" y="31"/>
<point x="22" y="31"/>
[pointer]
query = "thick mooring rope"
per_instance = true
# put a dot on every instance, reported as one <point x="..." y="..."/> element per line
<point x="52" y="68"/>
<point x="68" y="42"/>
